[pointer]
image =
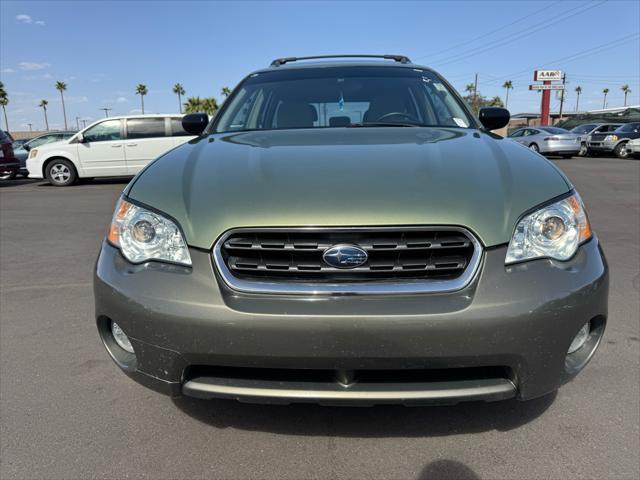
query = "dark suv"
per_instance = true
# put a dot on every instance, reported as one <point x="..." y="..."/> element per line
<point x="615" y="141"/>
<point x="8" y="162"/>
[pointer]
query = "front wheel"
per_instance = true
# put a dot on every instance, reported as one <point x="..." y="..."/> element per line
<point x="583" y="150"/>
<point x="61" y="173"/>
<point x="621" y="150"/>
<point x="534" y="147"/>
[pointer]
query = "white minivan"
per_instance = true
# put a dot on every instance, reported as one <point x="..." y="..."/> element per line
<point x="114" y="146"/>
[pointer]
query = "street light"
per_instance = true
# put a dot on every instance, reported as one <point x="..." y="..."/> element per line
<point x="106" y="111"/>
<point x="77" y="123"/>
<point x="30" y="125"/>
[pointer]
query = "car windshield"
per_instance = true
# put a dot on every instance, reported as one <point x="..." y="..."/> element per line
<point x="582" y="129"/>
<point x="628" y="127"/>
<point x="339" y="97"/>
<point x="554" y="130"/>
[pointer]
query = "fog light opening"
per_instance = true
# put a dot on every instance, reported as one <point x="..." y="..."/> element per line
<point x="121" y="338"/>
<point x="580" y="338"/>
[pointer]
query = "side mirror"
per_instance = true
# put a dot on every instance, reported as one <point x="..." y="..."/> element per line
<point x="195" y="123"/>
<point x="493" y="118"/>
<point x="80" y="138"/>
<point x="25" y="146"/>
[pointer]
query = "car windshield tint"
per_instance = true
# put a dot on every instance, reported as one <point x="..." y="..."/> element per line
<point x="554" y="130"/>
<point x="339" y="97"/>
<point x="629" y="127"/>
<point x="583" y="129"/>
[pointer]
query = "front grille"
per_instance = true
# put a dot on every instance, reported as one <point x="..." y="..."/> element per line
<point x="395" y="255"/>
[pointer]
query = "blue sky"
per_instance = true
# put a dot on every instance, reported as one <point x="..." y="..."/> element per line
<point x="103" y="49"/>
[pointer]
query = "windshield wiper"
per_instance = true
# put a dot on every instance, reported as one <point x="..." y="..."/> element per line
<point x="382" y="124"/>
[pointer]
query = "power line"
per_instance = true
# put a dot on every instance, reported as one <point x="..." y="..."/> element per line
<point x="453" y="47"/>
<point x="575" y="56"/>
<point x="519" y="35"/>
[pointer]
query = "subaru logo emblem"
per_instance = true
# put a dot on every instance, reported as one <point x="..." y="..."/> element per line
<point x="344" y="256"/>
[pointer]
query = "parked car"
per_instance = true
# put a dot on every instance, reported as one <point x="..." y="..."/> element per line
<point x="548" y="140"/>
<point x="22" y="150"/>
<point x="19" y="142"/>
<point x="348" y="232"/>
<point x="115" y="146"/>
<point x="633" y="147"/>
<point x="584" y="132"/>
<point x="8" y="163"/>
<point x="615" y="142"/>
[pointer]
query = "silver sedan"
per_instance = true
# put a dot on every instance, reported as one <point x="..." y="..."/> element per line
<point x="548" y="140"/>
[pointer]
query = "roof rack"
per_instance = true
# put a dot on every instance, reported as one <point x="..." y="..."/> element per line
<point x="397" y="58"/>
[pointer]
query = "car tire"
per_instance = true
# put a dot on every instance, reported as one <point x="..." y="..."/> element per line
<point x="534" y="147"/>
<point x="8" y="176"/>
<point x="61" y="173"/>
<point x="621" y="150"/>
<point x="584" y="150"/>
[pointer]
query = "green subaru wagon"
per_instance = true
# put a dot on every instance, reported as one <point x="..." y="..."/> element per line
<point x="346" y="231"/>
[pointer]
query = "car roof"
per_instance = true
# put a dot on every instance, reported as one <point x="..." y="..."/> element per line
<point x="54" y="132"/>
<point x="146" y="115"/>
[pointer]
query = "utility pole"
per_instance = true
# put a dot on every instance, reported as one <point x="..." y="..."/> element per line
<point x="84" y="124"/>
<point x="30" y="125"/>
<point x="77" y="123"/>
<point x="475" y="94"/>
<point x="106" y="111"/>
<point x="564" y="81"/>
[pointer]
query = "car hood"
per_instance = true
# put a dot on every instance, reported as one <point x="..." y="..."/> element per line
<point x="348" y="177"/>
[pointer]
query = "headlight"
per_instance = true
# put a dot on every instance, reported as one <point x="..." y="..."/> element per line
<point x="611" y="138"/>
<point x="554" y="231"/>
<point x="144" y="235"/>
<point x="33" y="153"/>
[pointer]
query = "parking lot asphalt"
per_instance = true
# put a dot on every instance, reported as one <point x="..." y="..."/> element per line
<point x="67" y="412"/>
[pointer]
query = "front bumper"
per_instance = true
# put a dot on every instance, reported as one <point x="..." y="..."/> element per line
<point x="194" y="336"/>
<point x="34" y="167"/>
<point x="633" y="148"/>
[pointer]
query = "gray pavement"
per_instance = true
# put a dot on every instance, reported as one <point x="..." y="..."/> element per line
<point x="67" y="412"/>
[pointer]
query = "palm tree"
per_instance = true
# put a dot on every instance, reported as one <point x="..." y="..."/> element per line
<point x="210" y="105"/>
<point x="225" y="91"/>
<point x="197" y="104"/>
<point x="578" y="92"/>
<point x="625" y="88"/>
<point x="4" y="101"/>
<point x="61" y="87"/>
<point x="604" y="102"/>
<point x="193" y="105"/>
<point x="179" y="90"/>
<point x="495" y="102"/>
<point x="508" y="85"/>
<point x="43" y="105"/>
<point x="141" y="90"/>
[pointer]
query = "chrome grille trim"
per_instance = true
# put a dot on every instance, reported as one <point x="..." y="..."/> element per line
<point x="407" y="286"/>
